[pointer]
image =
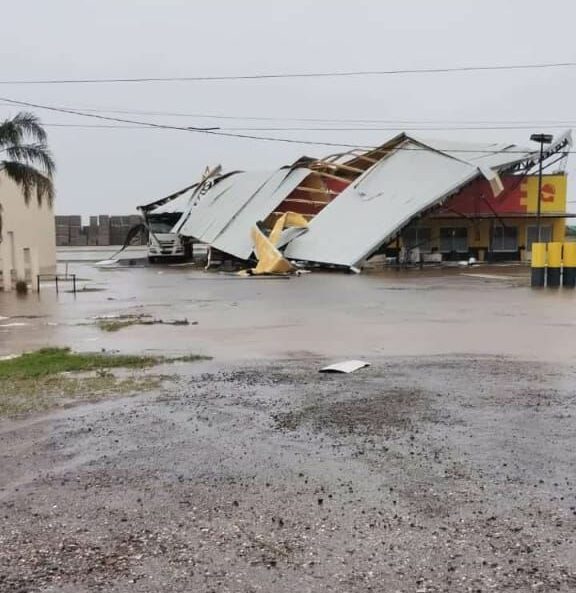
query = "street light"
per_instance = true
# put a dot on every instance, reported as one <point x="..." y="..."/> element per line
<point x="542" y="139"/>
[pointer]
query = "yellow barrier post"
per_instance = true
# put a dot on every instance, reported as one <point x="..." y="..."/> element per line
<point x="569" y="272"/>
<point x="554" y="272"/>
<point x="538" y="265"/>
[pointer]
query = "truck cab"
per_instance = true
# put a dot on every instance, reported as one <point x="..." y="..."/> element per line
<point x="162" y="243"/>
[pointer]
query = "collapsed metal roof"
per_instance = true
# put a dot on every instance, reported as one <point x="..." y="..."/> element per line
<point x="355" y="202"/>
<point x="166" y="205"/>
<point x="224" y="215"/>
<point x="413" y="177"/>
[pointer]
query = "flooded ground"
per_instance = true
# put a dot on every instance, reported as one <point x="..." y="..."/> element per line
<point x="445" y="466"/>
<point x="484" y="310"/>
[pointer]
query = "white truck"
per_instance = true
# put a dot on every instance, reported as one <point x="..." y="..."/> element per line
<point x="159" y="219"/>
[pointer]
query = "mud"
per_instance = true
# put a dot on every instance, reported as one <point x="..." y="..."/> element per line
<point x="417" y="474"/>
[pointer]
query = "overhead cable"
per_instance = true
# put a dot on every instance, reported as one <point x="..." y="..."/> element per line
<point x="296" y="75"/>
<point x="217" y="132"/>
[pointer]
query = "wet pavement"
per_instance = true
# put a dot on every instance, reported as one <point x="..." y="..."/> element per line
<point x="483" y="310"/>
<point x="446" y="466"/>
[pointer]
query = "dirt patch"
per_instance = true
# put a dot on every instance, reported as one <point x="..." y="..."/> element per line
<point x="381" y="413"/>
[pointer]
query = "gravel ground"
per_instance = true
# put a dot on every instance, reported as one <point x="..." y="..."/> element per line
<point x="429" y="474"/>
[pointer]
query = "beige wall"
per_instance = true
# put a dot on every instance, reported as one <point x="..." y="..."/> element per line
<point x="28" y="235"/>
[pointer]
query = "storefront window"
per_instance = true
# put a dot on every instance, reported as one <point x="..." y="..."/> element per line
<point x="454" y="239"/>
<point x="505" y="238"/>
<point x="417" y="238"/>
<point x="532" y="235"/>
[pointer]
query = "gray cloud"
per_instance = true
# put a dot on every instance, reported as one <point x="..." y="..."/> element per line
<point x="105" y="170"/>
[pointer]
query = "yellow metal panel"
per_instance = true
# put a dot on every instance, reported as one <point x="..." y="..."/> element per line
<point x="570" y="255"/>
<point x="554" y="255"/>
<point x="538" y="255"/>
<point x="270" y="260"/>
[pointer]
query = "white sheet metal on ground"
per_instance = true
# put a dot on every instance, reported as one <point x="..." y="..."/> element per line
<point x="347" y="366"/>
<point x="373" y="208"/>
<point x="226" y="213"/>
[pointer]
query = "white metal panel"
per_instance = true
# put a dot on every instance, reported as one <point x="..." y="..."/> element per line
<point x="486" y="154"/>
<point x="347" y="366"/>
<point x="224" y="215"/>
<point x="371" y="210"/>
<point x="177" y="205"/>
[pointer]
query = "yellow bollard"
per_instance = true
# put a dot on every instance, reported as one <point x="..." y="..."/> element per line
<point x="538" y="265"/>
<point x="569" y="272"/>
<point x="554" y="271"/>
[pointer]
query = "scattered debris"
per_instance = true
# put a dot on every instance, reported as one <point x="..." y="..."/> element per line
<point x="270" y="260"/>
<point x="113" y="323"/>
<point x="347" y="366"/>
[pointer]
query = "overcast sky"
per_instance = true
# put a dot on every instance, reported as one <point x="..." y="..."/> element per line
<point x="103" y="170"/>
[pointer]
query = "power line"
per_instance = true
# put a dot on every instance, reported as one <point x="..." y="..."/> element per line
<point x="181" y="128"/>
<point x="396" y="121"/>
<point x="310" y="129"/>
<point x="296" y="75"/>
<point x="217" y="132"/>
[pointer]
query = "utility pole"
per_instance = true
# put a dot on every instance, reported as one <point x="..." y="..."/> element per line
<point x="542" y="139"/>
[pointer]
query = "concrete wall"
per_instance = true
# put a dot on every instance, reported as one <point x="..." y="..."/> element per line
<point x="28" y="242"/>
<point x="102" y="230"/>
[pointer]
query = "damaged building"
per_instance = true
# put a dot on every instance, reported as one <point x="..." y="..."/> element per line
<point x="425" y="200"/>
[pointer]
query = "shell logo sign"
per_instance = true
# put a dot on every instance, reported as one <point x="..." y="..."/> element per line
<point x="548" y="192"/>
<point x="553" y="193"/>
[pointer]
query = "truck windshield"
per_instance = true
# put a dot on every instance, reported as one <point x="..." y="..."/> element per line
<point x="162" y="223"/>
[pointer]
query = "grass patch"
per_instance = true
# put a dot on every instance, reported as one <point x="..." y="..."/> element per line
<point x="49" y="377"/>
<point x="50" y="361"/>
<point x="118" y="323"/>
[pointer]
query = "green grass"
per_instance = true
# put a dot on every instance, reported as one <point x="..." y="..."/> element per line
<point x="50" y="361"/>
<point x="56" y="377"/>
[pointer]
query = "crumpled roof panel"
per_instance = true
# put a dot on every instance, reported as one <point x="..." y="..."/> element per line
<point x="175" y="206"/>
<point x="486" y="154"/>
<point x="225" y="214"/>
<point x="379" y="203"/>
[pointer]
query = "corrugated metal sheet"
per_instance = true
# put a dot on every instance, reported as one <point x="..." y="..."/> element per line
<point x="225" y="214"/>
<point x="485" y="154"/>
<point x="175" y="206"/>
<point x="384" y="199"/>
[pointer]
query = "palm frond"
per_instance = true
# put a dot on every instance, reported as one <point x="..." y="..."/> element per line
<point x="24" y="125"/>
<point x="33" y="154"/>
<point x="30" y="181"/>
<point x="10" y="134"/>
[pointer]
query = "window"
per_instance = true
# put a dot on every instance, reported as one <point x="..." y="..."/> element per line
<point x="505" y="238"/>
<point x="163" y="223"/>
<point x="532" y="235"/>
<point x="417" y="238"/>
<point x="454" y="239"/>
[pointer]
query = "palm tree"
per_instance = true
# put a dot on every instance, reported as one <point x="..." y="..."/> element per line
<point x="26" y="159"/>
